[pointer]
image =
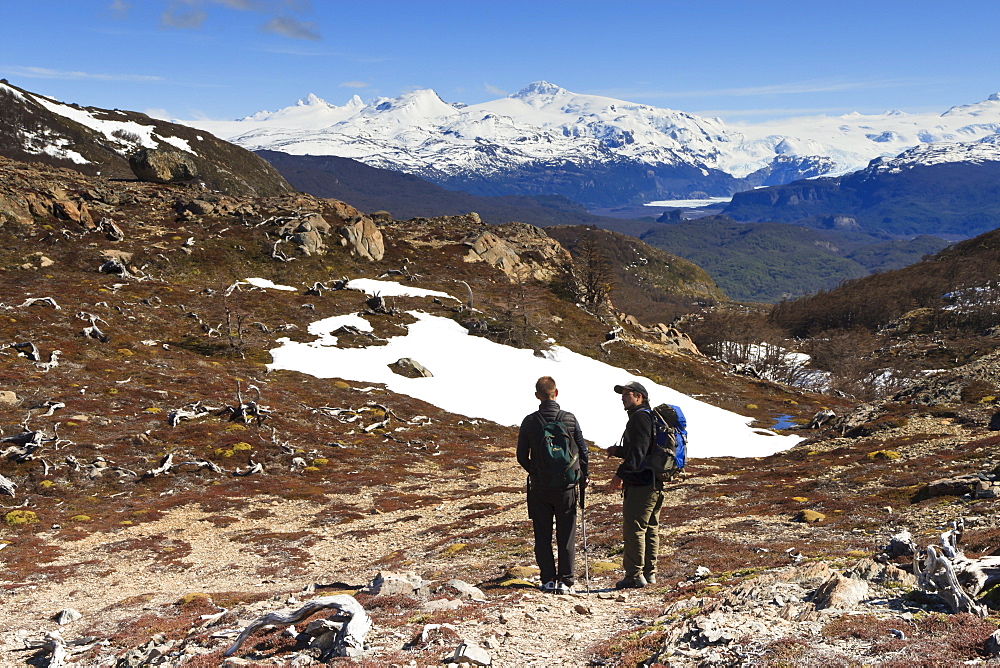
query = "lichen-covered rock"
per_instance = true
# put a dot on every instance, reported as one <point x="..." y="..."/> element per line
<point x="809" y="516"/>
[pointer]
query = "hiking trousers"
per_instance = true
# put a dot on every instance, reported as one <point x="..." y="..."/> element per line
<point x="640" y="529"/>
<point x="546" y="506"/>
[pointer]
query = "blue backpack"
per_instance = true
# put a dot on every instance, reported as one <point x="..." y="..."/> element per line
<point x="667" y="453"/>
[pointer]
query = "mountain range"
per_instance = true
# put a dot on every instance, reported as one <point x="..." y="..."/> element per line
<point x="595" y="150"/>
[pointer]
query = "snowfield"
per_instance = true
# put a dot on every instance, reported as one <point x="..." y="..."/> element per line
<point x="478" y="378"/>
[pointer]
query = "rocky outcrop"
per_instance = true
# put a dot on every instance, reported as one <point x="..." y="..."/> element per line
<point x="671" y="337"/>
<point x="520" y="251"/>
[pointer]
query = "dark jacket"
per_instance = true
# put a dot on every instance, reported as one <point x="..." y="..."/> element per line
<point x="635" y="444"/>
<point x="530" y="438"/>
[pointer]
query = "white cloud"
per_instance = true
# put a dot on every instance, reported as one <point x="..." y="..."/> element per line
<point x="45" y="73"/>
<point x="494" y="90"/>
<point x="183" y="15"/>
<point x="292" y="27"/>
<point x="354" y="84"/>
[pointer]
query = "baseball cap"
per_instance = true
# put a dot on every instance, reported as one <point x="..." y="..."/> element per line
<point x="633" y="387"/>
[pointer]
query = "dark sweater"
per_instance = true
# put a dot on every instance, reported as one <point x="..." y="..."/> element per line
<point x="530" y="438"/>
<point x="635" y="444"/>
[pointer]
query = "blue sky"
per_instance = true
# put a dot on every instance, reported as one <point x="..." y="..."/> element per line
<point x="740" y="60"/>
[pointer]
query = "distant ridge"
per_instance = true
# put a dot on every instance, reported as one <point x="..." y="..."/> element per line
<point x="90" y="140"/>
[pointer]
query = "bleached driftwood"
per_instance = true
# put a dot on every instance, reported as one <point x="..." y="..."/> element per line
<point x="188" y="412"/>
<point x="251" y="469"/>
<point x="52" y="363"/>
<point x="28" y="349"/>
<point x="247" y="411"/>
<point x="165" y="465"/>
<point x="354" y="624"/>
<point x="7" y="486"/>
<point x="947" y="572"/>
<point x="41" y="300"/>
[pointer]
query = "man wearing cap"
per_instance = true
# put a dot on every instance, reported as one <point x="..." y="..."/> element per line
<point x="642" y="494"/>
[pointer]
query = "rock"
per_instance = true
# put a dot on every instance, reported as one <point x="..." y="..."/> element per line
<point x="67" y="616"/>
<point x="14" y="209"/>
<point x="488" y="247"/>
<point x="8" y="398"/>
<point x="123" y="257"/>
<point x="582" y="609"/>
<point x="470" y="654"/>
<point x="992" y="645"/>
<point x="363" y="238"/>
<point x="410" y="368"/>
<point x="69" y="210"/>
<point x="873" y="571"/>
<point x="387" y="584"/>
<point x="901" y="545"/>
<point x="162" y="165"/>
<point x="957" y="486"/>
<point x="442" y="604"/>
<point x="840" y="592"/>
<point x="199" y="207"/>
<point x="809" y="516"/>
<point x="463" y="590"/>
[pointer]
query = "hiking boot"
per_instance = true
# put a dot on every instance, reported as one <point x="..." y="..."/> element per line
<point x="637" y="582"/>
<point x="650" y="578"/>
<point x="563" y="588"/>
<point x="549" y="587"/>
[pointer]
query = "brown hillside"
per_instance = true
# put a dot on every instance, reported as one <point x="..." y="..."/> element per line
<point x="280" y="482"/>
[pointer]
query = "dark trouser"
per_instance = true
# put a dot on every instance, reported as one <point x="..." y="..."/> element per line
<point x="544" y="506"/>
<point x="640" y="529"/>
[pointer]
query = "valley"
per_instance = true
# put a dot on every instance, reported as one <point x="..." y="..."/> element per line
<point x="169" y="475"/>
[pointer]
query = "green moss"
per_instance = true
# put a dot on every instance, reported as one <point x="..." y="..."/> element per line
<point x="17" y="518"/>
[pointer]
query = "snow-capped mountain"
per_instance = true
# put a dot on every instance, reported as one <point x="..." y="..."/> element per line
<point x="544" y="139"/>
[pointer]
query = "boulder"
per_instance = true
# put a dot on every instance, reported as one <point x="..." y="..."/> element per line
<point x="305" y="237"/>
<point x="388" y="584"/>
<point x="410" y="368"/>
<point x="162" y="165"/>
<point x="462" y="590"/>
<point x="809" y="516"/>
<point x="363" y="238"/>
<point x="840" y="592"/>
<point x="70" y="210"/>
<point x="199" y="207"/>
<point x="14" y="209"/>
<point x="8" y="398"/>
<point x="470" y="654"/>
<point x="957" y="486"/>
<point x="488" y="247"/>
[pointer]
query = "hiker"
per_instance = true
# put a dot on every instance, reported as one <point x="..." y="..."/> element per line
<point x="642" y="494"/>
<point x="550" y="447"/>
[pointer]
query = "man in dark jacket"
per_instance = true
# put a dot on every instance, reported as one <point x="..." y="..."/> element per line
<point x="642" y="494"/>
<point x="548" y="500"/>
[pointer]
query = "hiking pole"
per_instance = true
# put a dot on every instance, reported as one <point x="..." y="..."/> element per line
<point x="583" y="524"/>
